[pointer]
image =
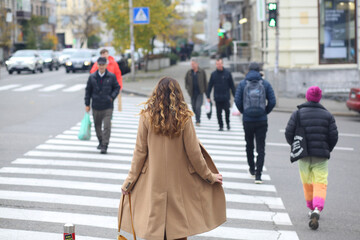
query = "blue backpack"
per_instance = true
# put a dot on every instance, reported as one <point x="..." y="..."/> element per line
<point x="254" y="98"/>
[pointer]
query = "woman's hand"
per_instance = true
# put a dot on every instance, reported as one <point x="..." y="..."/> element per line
<point x="123" y="192"/>
<point x="218" y="178"/>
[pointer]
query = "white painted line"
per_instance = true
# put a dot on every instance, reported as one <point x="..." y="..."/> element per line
<point x="224" y="142"/>
<point x="10" y="86"/>
<point x="59" y="199"/>
<point x="51" y="162"/>
<point x="64" y="172"/>
<point x="249" y="186"/>
<point x="37" y="182"/>
<point x="272" y="202"/>
<point x="349" y="135"/>
<point x="112" y="139"/>
<point x="75" y="88"/>
<point x="27" y="88"/>
<point x="249" y="234"/>
<point x="242" y="175"/>
<point x="82" y="149"/>
<point x="79" y="155"/>
<point x="52" y="88"/>
<point x="113" y="134"/>
<point x="11" y="234"/>
<point x="88" y="143"/>
<point x="276" y="217"/>
<point x="235" y="166"/>
<point x="59" y="217"/>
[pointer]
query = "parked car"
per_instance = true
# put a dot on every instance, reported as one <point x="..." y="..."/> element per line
<point x="79" y="61"/>
<point x="65" y="55"/>
<point x="353" y="103"/>
<point x="24" y="60"/>
<point x="50" y="59"/>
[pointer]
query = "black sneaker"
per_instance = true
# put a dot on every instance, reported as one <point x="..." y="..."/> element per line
<point x="103" y="150"/>
<point x="228" y="127"/>
<point x="99" y="146"/>
<point x="221" y="129"/>
<point x="258" y="180"/>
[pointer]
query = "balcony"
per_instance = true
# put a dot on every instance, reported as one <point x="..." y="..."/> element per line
<point x="23" y="15"/>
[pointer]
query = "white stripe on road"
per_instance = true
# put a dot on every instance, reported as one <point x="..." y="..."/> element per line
<point x="78" y="155"/>
<point x="82" y="149"/>
<point x="64" y="172"/>
<point x="28" y="88"/>
<point x="88" y="143"/>
<point x="52" y="88"/>
<point x="249" y="186"/>
<point x="276" y="217"/>
<point x="287" y="145"/>
<point x="249" y="234"/>
<point x="74" y="137"/>
<point x="272" y="202"/>
<point x="75" y="88"/>
<point x="7" y="87"/>
<point x="10" y="234"/>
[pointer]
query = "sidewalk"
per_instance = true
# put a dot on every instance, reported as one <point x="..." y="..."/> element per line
<point x="145" y="82"/>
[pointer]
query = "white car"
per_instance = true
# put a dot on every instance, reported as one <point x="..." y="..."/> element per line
<point x="24" y="60"/>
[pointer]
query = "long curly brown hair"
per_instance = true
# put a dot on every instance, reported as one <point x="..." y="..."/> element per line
<point x="167" y="109"/>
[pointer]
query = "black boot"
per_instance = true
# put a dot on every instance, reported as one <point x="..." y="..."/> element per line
<point x="103" y="149"/>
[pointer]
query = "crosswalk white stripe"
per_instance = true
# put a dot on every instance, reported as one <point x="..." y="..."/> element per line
<point x="276" y="217"/>
<point x="78" y="155"/>
<point x="28" y="88"/>
<point x="64" y="172"/>
<point x="75" y="88"/>
<point x="10" y="234"/>
<point x="7" y="87"/>
<point x="272" y="202"/>
<point x="227" y="174"/>
<point x="249" y="234"/>
<point x="110" y="222"/>
<point x="112" y="139"/>
<point x="249" y="186"/>
<point x="52" y="88"/>
<point x="82" y="149"/>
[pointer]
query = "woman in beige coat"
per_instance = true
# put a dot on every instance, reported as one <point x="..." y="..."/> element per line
<point x="175" y="187"/>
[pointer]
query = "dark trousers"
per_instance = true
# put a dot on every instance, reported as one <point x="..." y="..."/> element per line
<point x="103" y="117"/>
<point x="220" y="106"/>
<point x="257" y="130"/>
<point x="196" y="102"/>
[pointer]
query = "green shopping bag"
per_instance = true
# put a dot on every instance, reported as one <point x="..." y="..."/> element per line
<point x="85" y="128"/>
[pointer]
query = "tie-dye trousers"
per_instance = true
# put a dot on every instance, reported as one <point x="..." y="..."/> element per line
<point x="314" y="174"/>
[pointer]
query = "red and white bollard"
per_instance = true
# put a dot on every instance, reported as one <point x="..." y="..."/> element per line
<point x="69" y="231"/>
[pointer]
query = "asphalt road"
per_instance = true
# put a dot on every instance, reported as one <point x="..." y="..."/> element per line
<point x="29" y="118"/>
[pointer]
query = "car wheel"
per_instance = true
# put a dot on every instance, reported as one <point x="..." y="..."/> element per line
<point x="10" y="72"/>
<point x="50" y="68"/>
<point x="18" y="72"/>
<point x="41" y="70"/>
<point x="67" y="70"/>
<point x="33" y="71"/>
<point x="57" y="68"/>
<point x="74" y="71"/>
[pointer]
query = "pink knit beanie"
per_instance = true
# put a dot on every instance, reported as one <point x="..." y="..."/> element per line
<point x="313" y="94"/>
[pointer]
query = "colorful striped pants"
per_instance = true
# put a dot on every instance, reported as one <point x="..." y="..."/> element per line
<point x="314" y="174"/>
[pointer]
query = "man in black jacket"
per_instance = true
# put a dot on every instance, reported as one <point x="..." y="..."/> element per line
<point x="102" y="87"/>
<point x="221" y="80"/>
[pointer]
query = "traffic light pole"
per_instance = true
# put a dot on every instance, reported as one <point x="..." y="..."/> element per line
<point x="132" y="44"/>
<point x="276" y="69"/>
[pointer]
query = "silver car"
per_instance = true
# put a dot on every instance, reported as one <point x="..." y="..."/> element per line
<point x="24" y="60"/>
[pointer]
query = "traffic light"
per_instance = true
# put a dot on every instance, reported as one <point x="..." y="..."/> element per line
<point x="273" y="12"/>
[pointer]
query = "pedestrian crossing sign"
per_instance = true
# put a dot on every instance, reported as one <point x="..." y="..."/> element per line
<point x="141" y="15"/>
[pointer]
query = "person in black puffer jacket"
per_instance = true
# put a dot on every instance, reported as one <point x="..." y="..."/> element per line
<point x="321" y="136"/>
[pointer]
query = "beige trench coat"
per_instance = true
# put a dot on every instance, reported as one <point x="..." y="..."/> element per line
<point x="172" y="184"/>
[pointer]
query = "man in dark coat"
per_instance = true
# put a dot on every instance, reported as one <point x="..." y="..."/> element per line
<point x="196" y="84"/>
<point x="222" y="81"/>
<point x="102" y="88"/>
<point x="255" y="126"/>
<point x="321" y="137"/>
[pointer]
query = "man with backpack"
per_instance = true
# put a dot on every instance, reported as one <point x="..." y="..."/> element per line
<point x="255" y="99"/>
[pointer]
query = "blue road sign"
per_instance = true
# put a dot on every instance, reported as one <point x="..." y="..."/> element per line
<point x="141" y="15"/>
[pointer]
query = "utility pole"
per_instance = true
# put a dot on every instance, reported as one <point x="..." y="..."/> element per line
<point x="132" y="43"/>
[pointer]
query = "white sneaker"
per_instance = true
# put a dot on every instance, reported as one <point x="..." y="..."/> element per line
<point x="315" y="214"/>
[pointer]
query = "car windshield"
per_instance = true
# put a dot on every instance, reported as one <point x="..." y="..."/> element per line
<point x="45" y="54"/>
<point x="81" y="54"/>
<point x="24" y="54"/>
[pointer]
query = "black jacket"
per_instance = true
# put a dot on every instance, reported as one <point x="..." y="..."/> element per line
<point x="222" y="82"/>
<point x="320" y="129"/>
<point x="101" y="91"/>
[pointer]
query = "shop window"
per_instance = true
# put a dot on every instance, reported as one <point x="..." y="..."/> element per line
<point x="337" y="31"/>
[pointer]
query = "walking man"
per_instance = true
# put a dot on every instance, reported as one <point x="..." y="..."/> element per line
<point x="102" y="88"/>
<point x="196" y="84"/>
<point x="222" y="81"/>
<point x="255" y="99"/>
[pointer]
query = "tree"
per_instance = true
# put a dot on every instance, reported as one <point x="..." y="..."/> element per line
<point x="31" y="31"/>
<point x="116" y="14"/>
<point x="6" y="29"/>
<point x="84" y="22"/>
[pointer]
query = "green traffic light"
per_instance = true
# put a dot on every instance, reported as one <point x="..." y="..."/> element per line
<point x="272" y="6"/>
<point x="272" y="23"/>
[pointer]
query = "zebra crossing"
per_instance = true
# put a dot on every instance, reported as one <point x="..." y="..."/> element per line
<point x="65" y="180"/>
<point x="42" y="88"/>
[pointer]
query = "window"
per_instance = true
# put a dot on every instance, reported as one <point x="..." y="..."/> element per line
<point x="337" y="31"/>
